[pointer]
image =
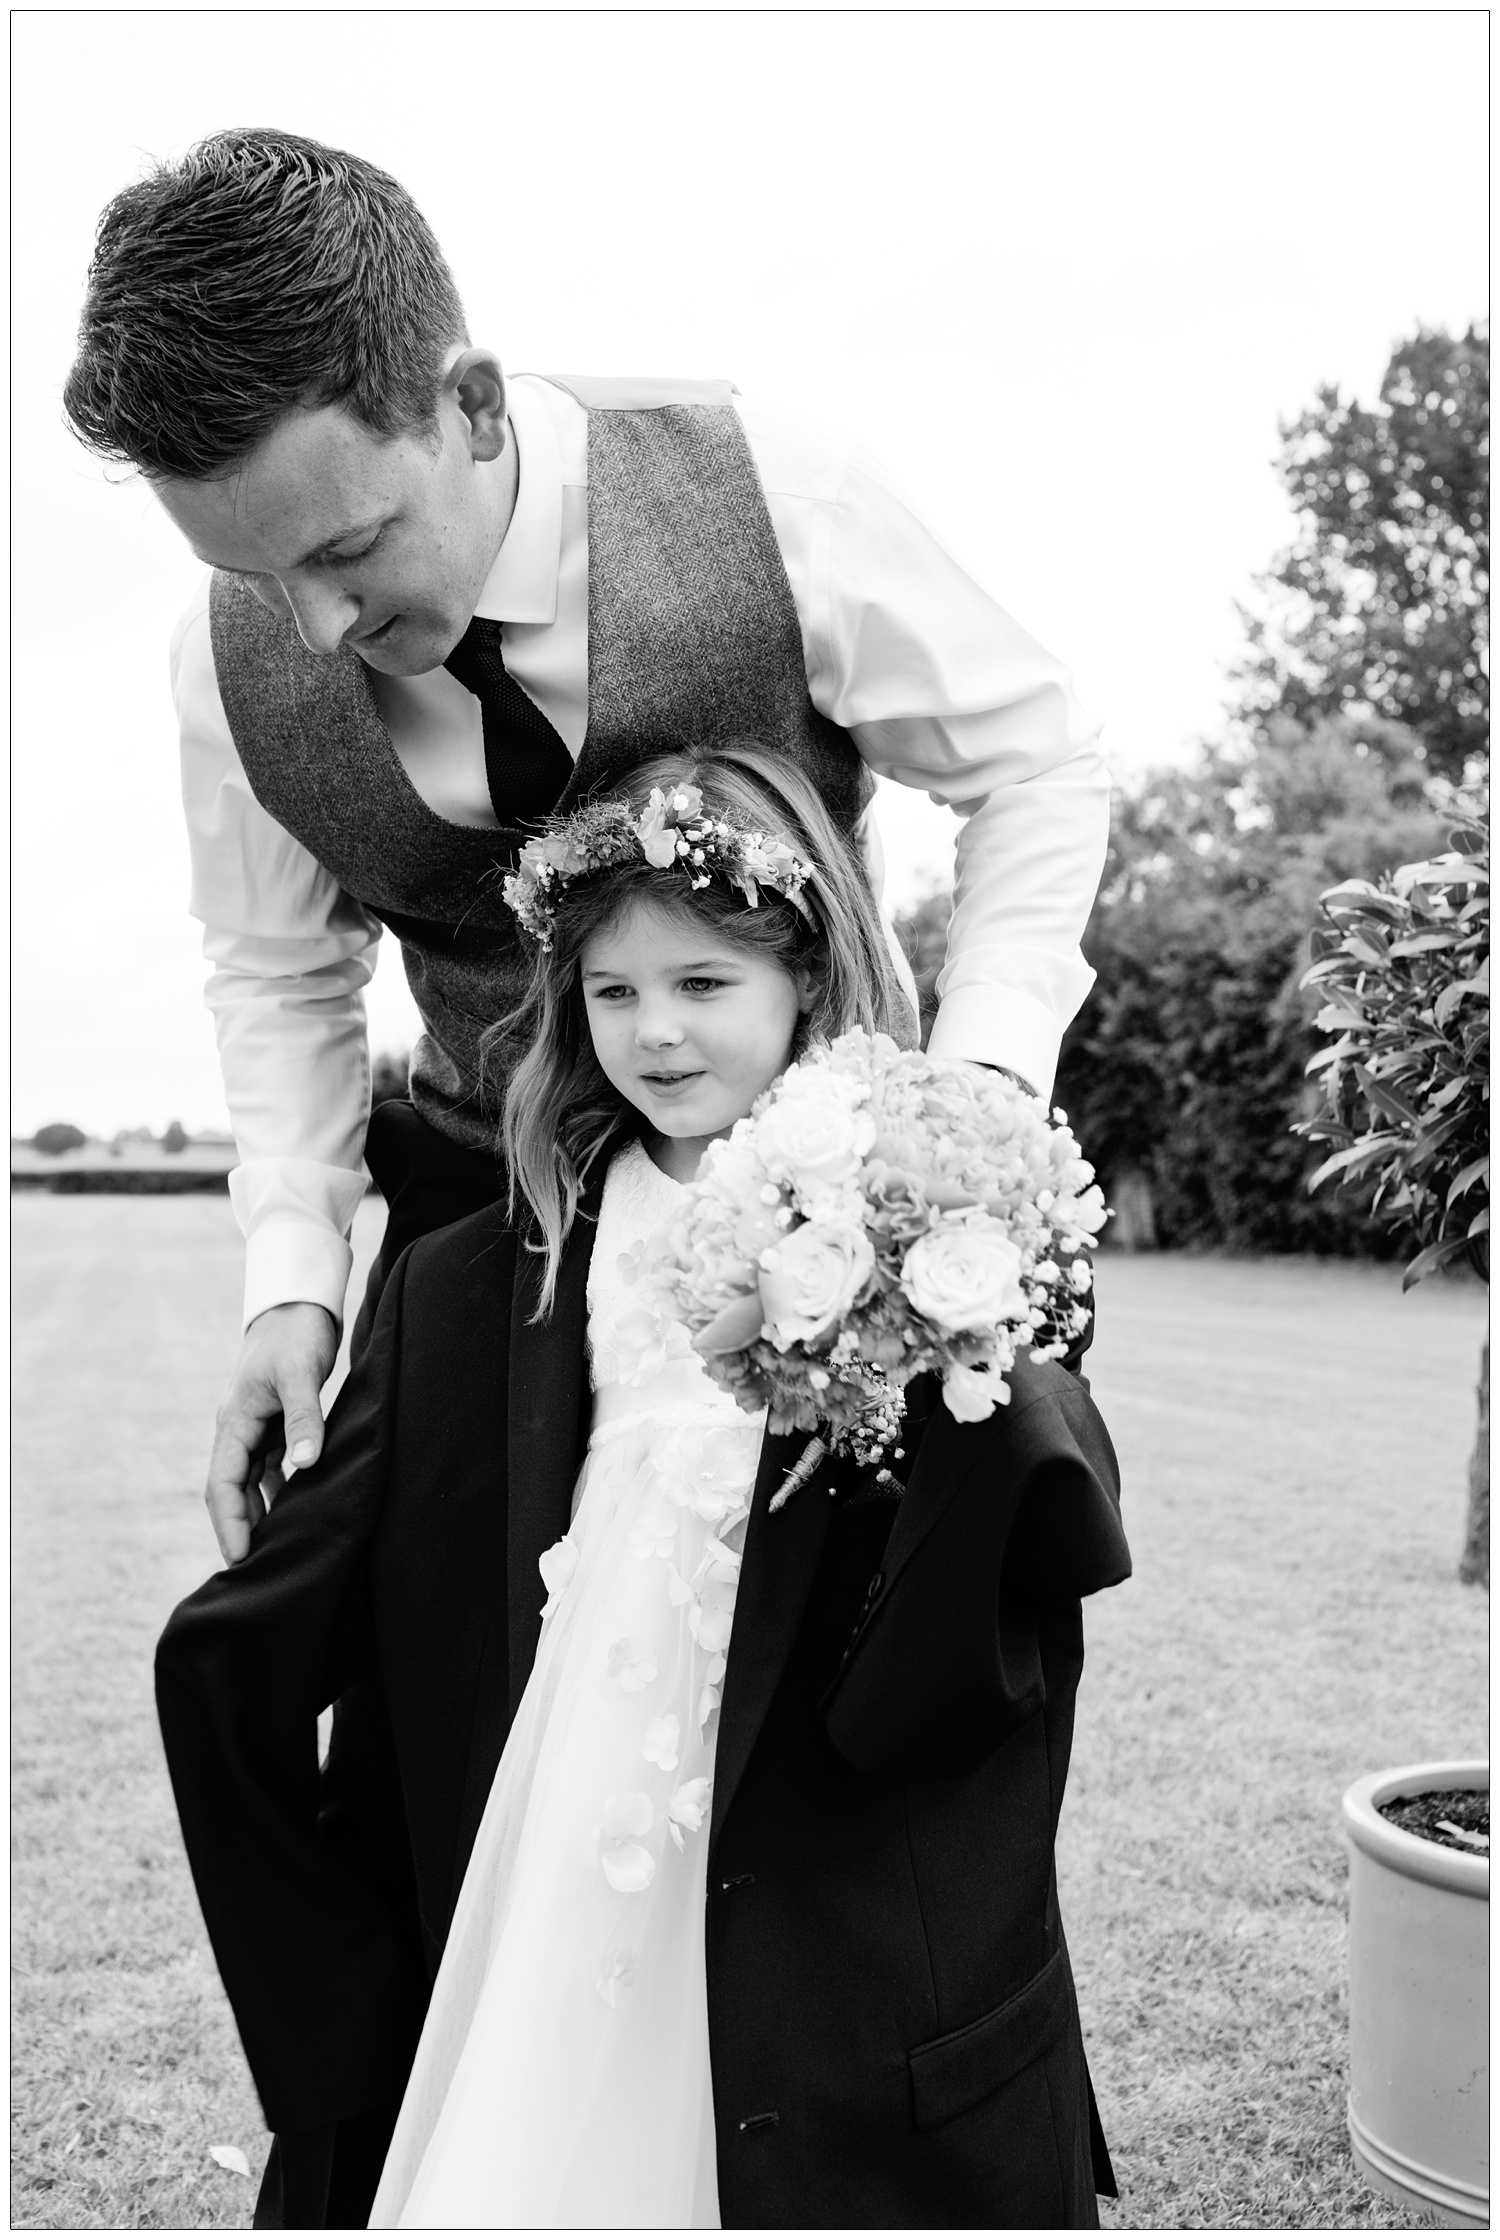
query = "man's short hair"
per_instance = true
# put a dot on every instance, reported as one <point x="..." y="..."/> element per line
<point x="260" y="273"/>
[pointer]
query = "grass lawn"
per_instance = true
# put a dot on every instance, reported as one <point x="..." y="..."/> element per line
<point x="1293" y="1439"/>
<point x="125" y="2064"/>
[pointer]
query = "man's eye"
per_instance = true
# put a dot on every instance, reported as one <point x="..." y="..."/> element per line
<point x="347" y="559"/>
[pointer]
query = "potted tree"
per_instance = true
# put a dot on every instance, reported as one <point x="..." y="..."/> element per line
<point x="1403" y="967"/>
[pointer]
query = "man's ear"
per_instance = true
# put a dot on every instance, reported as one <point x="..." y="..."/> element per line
<point x="475" y="381"/>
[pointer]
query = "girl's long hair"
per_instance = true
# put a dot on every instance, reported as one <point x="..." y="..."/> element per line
<point x="560" y="1111"/>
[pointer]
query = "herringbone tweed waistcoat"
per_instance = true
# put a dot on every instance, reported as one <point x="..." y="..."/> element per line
<point x="693" y="641"/>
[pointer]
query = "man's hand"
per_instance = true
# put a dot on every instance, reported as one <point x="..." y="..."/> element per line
<point x="271" y="1412"/>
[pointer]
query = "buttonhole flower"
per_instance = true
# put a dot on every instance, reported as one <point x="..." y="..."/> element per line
<point x="628" y="1865"/>
<point x="660" y="1745"/>
<point x="631" y="1663"/>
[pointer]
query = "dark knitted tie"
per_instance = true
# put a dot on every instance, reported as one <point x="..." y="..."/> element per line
<point x="525" y="763"/>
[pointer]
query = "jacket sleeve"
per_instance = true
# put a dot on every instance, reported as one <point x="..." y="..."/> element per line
<point x="1002" y="1523"/>
<point x="300" y="1874"/>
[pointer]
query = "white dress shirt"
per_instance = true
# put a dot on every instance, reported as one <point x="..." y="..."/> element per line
<point x="937" y="685"/>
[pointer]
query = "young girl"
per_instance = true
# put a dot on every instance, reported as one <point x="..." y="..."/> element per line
<point x="564" y="2076"/>
<point x="757" y="1921"/>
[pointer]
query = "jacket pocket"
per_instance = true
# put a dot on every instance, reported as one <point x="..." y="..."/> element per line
<point x="953" y="2074"/>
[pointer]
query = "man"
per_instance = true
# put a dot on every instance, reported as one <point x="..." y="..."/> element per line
<point x="444" y="601"/>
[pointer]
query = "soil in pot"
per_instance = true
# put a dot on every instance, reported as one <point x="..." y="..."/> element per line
<point x="1459" y="1819"/>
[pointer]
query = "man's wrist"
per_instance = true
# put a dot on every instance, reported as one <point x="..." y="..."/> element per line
<point x="993" y="1025"/>
<point x="287" y="1306"/>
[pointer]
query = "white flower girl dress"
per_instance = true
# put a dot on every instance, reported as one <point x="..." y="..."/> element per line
<point x="563" y="2075"/>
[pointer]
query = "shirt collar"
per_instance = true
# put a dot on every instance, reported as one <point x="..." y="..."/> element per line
<point x="522" y="584"/>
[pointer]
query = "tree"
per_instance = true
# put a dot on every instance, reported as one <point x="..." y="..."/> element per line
<point x="1380" y="604"/>
<point x="1403" y="965"/>
<point x="175" y="1138"/>
<point x="59" y="1136"/>
<point x="923" y="932"/>
<point x="389" y="1077"/>
<point x="1185" y="1070"/>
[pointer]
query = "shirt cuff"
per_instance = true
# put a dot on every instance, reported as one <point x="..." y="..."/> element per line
<point x="295" y="1214"/>
<point x="290" y="1260"/>
<point x="999" y="1026"/>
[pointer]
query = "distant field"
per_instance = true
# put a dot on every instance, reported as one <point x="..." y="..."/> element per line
<point x="1293" y="1439"/>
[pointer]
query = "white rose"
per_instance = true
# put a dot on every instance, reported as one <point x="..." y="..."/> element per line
<point x="965" y="1278"/>
<point x="814" y="1139"/>
<point x="817" y="1275"/>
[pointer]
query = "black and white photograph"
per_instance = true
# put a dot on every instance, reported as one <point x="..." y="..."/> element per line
<point x="750" y="1118"/>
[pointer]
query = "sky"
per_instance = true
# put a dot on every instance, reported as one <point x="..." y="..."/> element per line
<point x="1063" y="272"/>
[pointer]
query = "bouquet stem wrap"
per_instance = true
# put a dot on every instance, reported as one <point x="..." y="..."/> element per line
<point x="813" y="1454"/>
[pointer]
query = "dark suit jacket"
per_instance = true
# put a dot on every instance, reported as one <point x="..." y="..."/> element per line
<point x="893" y="2029"/>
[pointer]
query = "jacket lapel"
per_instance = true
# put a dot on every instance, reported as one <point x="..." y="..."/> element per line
<point x="547" y="1427"/>
<point x="781" y="1556"/>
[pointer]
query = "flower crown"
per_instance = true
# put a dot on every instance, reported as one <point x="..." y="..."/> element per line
<point x="671" y="829"/>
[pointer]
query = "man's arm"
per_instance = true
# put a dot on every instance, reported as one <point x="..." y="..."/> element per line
<point x="291" y="955"/>
<point x="943" y="690"/>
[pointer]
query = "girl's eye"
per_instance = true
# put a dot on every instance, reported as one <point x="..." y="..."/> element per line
<point x="700" y="984"/>
<point x="604" y="994"/>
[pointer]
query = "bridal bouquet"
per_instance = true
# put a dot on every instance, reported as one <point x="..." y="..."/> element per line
<point x="879" y="1214"/>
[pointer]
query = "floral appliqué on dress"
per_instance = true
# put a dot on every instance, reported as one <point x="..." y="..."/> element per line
<point x="676" y="1462"/>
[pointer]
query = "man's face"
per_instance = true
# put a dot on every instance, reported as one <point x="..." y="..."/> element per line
<point x="378" y="543"/>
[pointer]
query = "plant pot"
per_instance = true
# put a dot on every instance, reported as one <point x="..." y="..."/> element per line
<point x="1419" y="2001"/>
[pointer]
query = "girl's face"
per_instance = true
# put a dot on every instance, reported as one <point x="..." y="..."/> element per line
<point x="688" y="1026"/>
